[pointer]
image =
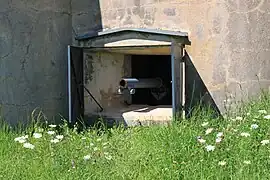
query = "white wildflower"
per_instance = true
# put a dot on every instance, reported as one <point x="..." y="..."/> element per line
<point x="95" y="149"/>
<point x="254" y="126"/>
<point x="51" y="132"/>
<point x="59" y="137"/>
<point x="267" y="117"/>
<point x="87" y="157"/>
<point x="209" y="130"/>
<point x="202" y="141"/>
<point x="25" y="137"/>
<point x="247" y="162"/>
<point x="248" y="114"/>
<point x="55" y="141"/>
<point x="18" y="139"/>
<point x="218" y="140"/>
<point x="91" y="144"/>
<point x="244" y="134"/>
<point x="37" y="135"/>
<point x="238" y="118"/>
<point x="52" y="125"/>
<point x="210" y="148"/>
<point x="220" y="134"/>
<point x="205" y="124"/>
<point x="22" y="140"/>
<point x="222" y="163"/>
<point x="108" y="157"/>
<point x="264" y="142"/>
<point x="28" y="146"/>
<point x="262" y="111"/>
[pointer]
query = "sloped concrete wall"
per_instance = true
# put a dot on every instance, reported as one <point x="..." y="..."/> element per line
<point x="34" y="35"/>
<point x="230" y="39"/>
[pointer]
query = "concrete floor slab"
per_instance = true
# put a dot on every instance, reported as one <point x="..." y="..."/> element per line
<point x="138" y="115"/>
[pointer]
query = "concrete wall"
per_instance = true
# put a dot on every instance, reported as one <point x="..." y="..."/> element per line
<point x="86" y="16"/>
<point x="34" y="35"/>
<point x="103" y="71"/>
<point x="230" y="39"/>
<point x="230" y="45"/>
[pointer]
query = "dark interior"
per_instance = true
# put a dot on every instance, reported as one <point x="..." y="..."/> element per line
<point x="152" y="66"/>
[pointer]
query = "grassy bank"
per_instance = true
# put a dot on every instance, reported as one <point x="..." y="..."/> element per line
<point x="199" y="148"/>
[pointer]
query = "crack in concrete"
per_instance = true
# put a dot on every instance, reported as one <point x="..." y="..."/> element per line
<point x="5" y="15"/>
<point x="24" y="59"/>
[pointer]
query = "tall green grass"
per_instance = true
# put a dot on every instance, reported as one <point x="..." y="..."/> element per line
<point x="156" y="152"/>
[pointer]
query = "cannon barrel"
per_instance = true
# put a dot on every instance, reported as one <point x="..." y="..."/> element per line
<point x="140" y="83"/>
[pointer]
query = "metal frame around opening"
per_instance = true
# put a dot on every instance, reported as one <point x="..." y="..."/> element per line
<point x="177" y="39"/>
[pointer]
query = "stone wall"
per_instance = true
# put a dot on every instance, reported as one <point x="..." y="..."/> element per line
<point x="230" y="38"/>
<point x="34" y="35"/>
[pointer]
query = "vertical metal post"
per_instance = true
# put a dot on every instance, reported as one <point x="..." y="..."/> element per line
<point x="69" y="86"/>
<point x="177" y="66"/>
<point x="182" y="82"/>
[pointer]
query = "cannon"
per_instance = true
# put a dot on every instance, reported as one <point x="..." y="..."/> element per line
<point x="140" y="83"/>
<point x="128" y="86"/>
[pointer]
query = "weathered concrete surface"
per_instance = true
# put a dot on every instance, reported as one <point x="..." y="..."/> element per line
<point x="86" y="16"/>
<point x="103" y="71"/>
<point x="34" y="35"/>
<point x="230" y="39"/>
<point x="230" y="48"/>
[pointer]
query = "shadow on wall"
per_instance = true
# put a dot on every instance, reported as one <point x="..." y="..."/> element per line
<point x="86" y="17"/>
<point x="197" y="94"/>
